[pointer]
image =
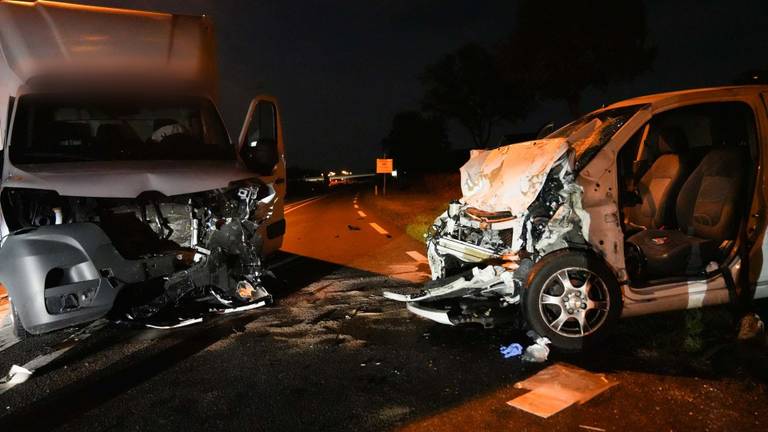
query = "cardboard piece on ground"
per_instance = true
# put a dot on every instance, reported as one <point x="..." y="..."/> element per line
<point x="542" y="402"/>
<point x="557" y="387"/>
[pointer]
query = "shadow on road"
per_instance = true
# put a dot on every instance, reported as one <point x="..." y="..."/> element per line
<point x="335" y="356"/>
<point x="173" y="347"/>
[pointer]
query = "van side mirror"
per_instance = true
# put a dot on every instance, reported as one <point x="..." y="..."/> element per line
<point x="258" y="142"/>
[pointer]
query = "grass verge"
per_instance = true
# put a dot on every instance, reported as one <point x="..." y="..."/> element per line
<point x="415" y="207"/>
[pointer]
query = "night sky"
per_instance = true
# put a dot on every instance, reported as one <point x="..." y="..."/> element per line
<point x="342" y="69"/>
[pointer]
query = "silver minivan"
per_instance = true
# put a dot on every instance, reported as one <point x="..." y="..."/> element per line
<point x="651" y="204"/>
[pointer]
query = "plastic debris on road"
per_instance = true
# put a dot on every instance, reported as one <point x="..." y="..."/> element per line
<point x="17" y="375"/>
<point x="512" y="350"/>
<point x="539" y="351"/>
<point x="750" y="327"/>
<point x="181" y="323"/>
<point x="557" y="387"/>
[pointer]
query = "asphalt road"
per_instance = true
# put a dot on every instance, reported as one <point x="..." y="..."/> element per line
<point x="332" y="354"/>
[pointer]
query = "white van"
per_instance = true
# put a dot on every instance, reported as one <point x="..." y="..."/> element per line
<point x="651" y="204"/>
<point x="117" y="172"/>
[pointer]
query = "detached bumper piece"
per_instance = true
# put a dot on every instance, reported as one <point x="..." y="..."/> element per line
<point x="472" y="298"/>
<point x="438" y="315"/>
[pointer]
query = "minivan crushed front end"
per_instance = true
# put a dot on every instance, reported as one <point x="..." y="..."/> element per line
<point x="520" y="204"/>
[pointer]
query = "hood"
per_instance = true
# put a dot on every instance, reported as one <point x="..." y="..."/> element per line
<point x="126" y="179"/>
<point x="509" y="178"/>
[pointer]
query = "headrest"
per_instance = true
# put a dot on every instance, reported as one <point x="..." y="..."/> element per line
<point x="108" y="130"/>
<point x="162" y="122"/>
<point x="671" y="139"/>
<point x="63" y="133"/>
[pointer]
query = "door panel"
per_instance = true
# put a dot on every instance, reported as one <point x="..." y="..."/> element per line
<point x="757" y="270"/>
<point x="261" y="148"/>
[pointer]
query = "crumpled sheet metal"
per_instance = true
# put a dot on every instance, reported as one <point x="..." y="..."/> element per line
<point x="569" y="216"/>
<point x="509" y="178"/>
<point x="489" y="278"/>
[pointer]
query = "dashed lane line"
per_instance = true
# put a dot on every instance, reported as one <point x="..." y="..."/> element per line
<point x="361" y="213"/>
<point x="416" y="256"/>
<point x="296" y="203"/>
<point x="378" y="229"/>
<point x="20" y="374"/>
<point x="296" y="207"/>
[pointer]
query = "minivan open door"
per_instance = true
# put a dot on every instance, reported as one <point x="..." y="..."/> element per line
<point x="261" y="149"/>
<point x="756" y="239"/>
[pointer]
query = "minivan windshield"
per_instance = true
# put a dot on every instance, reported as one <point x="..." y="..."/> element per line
<point x="61" y="128"/>
<point x="587" y="135"/>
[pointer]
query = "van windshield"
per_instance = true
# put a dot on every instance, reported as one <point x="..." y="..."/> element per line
<point x="58" y="128"/>
<point x="587" y="135"/>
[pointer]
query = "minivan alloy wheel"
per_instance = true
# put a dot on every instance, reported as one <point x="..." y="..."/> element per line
<point x="574" y="302"/>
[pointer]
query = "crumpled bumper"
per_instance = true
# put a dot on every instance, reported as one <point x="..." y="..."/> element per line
<point x="62" y="275"/>
<point x="492" y="282"/>
<point x="438" y="315"/>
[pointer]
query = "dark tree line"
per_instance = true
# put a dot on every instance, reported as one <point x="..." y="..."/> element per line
<point x="556" y="50"/>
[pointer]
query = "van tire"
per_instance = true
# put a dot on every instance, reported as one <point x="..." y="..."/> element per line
<point x="583" y="312"/>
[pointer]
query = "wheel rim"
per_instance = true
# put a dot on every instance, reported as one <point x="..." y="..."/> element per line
<point x="574" y="302"/>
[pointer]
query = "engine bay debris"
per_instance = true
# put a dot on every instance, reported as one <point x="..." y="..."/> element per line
<point x="520" y="202"/>
<point x="146" y="256"/>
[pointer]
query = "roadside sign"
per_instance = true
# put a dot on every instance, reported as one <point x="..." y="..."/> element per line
<point x="383" y="166"/>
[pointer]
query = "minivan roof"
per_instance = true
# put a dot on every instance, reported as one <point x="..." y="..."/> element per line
<point x="660" y="100"/>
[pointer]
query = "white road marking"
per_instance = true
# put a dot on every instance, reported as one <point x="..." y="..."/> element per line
<point x="378" y="229"/>
<point x="356" y="206"/>
<point x="416" y="256"/>
<point x="38" y="362"/>
<point x="361" y="213"/>
<point x="294" y="204"/>
<point x="304" y="204"/>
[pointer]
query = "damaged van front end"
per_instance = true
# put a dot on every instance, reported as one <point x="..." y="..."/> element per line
<point x="520" y="204"/>
<point x="121" y="189"/>
<point x="79" y="253"/>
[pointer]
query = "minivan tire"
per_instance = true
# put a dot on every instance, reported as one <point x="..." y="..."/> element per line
<point x="549" y="304"/>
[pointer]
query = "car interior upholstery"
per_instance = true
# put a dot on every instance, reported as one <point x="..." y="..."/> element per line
<point x="659" y="185"/>
<point x="706" y="211"/>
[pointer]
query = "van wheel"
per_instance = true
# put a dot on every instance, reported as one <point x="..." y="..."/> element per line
<point x="572" y="298"/>
<point x="18" y="328"/>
